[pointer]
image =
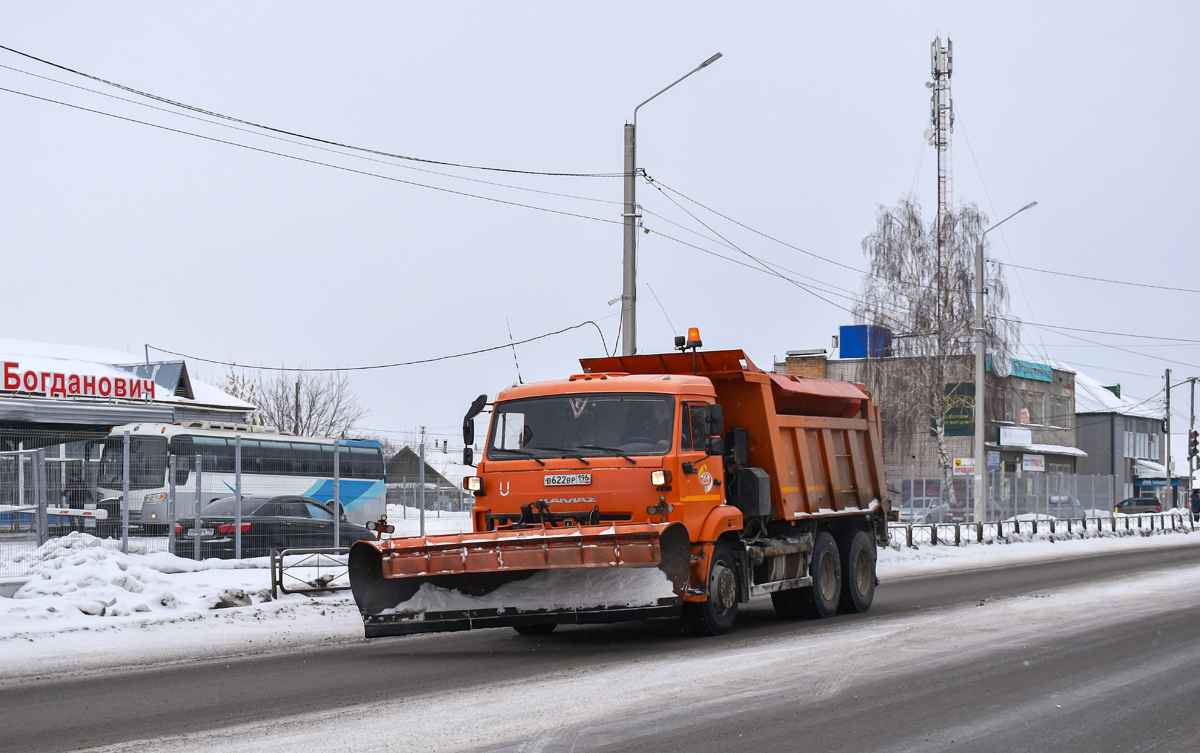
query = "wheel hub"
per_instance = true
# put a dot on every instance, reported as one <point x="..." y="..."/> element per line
<point x="722" y="588"/>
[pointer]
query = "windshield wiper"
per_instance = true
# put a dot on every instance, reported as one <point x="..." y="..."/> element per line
<point x="526" y="453"/>
<point x="613" y="450"/>
<point x="566" y="451"/>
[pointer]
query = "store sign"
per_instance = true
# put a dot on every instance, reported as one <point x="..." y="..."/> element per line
<point x="964" y="466"/>
<point x="1033" y="462"/>
<point x="1029" y="370"/>
<point x="56" y="384"/>
<point x="1012" y="436"/>
<point x="993" y="462"/>
<point x="1024" y="415"/>
<point x="959" y="420"/>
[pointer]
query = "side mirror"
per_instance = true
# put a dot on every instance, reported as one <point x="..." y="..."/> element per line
<point x="468" y="431"/>
<point x="468" y="456"/>
<point x="716" y="445"/>
<point x="716" y="421"/>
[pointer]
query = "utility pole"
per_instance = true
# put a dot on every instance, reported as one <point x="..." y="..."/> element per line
<point x="1191" y="433"/>
<point x="421" y="479"/>
<point x="1167" y="431"/>
<point x="630" y="216"/>
<point x="980" y="384"/>
<point x="296" y="419"/>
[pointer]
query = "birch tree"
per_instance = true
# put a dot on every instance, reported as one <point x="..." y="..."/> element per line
<point x="926" y="296"/>
<point x="304" y="403"/>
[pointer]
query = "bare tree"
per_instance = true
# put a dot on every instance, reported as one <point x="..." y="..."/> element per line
<point x="304" y="403"/>
<point x="926" y="296"/>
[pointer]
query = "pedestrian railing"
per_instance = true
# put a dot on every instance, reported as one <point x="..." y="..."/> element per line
<point x="959" y="534"/>
<point x="309" y="570"/>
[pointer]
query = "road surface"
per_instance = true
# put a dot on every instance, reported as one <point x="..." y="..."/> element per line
<point x="1087" y="654"/>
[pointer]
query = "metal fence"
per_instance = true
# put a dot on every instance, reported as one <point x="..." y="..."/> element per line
<point x="194" y="506"/>
<point x="916" y="535"/>
<point x="917" y="493"/>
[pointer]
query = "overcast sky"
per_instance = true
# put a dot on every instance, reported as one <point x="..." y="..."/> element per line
<point x="117" y="234"/>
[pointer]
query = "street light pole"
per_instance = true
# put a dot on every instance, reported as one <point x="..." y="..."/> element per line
<point x="980" y="450"/>
<point x="630" y="215"/>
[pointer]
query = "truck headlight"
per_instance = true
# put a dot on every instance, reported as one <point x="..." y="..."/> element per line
<point x="660" y="478"/>
<point x="151" y="498"/>
<point x="473" y="483"/>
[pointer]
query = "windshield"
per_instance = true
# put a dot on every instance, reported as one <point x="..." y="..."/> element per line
<point x="147" y="463"/>
<point x="591" y="424"/>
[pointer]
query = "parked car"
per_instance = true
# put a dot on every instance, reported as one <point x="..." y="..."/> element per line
<point x="918" y="511"/>
<point x="1064" y="506"/>
<point x="1137" y="505"/>
<point x="281" y="522"/>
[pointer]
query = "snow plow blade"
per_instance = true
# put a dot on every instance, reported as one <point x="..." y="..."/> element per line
<point x="584" y="574"/>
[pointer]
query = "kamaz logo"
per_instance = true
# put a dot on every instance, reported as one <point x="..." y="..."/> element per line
<point x="572" y="501"/>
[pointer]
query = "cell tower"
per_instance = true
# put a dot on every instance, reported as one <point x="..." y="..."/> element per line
<point x="941" y="116"/>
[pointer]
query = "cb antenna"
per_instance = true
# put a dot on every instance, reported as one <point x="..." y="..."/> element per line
<point x="514" y="350"/>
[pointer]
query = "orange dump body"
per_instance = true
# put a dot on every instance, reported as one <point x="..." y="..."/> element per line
<point x="601" y="509"/>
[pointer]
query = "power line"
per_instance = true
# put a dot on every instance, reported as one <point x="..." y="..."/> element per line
<point x="341" y="145"/>
<point x="1003" y="237"/>
<point x="388" y="365"/>
<point x="1104" y="332"/>
<point x="747" y="227"/>
<point x="308" y="161"/>
<point x="1105" y="279"/>
<point x="149" y="106"/>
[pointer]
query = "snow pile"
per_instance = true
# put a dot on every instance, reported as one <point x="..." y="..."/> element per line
<point x="81" y="574"/>
<point x="582" y="588"/>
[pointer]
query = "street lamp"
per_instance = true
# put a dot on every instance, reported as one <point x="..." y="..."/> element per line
<point x="629" y="258"/>
<point x="980" y="452"/>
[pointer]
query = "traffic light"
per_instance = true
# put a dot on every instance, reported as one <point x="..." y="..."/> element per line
<point x="1193" y="443"/>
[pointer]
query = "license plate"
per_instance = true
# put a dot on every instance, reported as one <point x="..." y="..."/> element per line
<point x="568" y="479"/>
<point x="203" y="532"/>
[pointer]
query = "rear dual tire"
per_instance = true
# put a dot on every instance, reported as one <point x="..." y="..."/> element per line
<point x="843" y="579"/>
<point x="858" y="572"/>
<point x="821" y="597"/>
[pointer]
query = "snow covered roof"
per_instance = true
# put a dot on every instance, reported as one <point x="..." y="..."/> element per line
<point x="1044" y="449"/>
<point x="1092" y="397"/>
<point x="171" y="382"/>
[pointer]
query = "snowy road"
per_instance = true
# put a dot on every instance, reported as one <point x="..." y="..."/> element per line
<point x="1093" y="653"/>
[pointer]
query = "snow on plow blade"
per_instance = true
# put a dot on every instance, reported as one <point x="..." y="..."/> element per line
<point x="585" y="574"/>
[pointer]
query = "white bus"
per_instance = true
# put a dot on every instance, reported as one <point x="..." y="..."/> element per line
<point x="272" y="464"/>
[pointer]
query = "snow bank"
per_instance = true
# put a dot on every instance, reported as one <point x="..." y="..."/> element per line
<point x="897" y="561"/>
<point x="80" y="576"/>
<point x="552" y="589"/>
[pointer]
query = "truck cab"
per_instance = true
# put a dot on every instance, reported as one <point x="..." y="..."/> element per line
<point x="600" y="448"/>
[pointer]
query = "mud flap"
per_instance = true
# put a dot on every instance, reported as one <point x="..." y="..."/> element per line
<point x="589" y="574"/>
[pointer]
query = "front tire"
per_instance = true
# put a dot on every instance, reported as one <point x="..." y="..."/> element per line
<point x="718" y="612"/>
<point x="858" y="572"/>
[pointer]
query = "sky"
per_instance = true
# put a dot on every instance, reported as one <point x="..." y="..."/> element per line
<point x="119" y="234"/>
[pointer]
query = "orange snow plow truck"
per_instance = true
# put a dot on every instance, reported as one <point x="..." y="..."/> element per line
<point x="672" y="485"/>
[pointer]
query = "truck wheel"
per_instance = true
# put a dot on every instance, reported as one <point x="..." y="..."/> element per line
<point x="821" y="598"/>
<point x="542" y="628"/>
<point x="858" y="572"/>
<point x="717" y="614"/>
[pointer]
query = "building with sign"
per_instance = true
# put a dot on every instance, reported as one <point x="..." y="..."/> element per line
<point x="1123" y="438"/>
<point x="1030" y="411"/>
<point x="66" y="398"/>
